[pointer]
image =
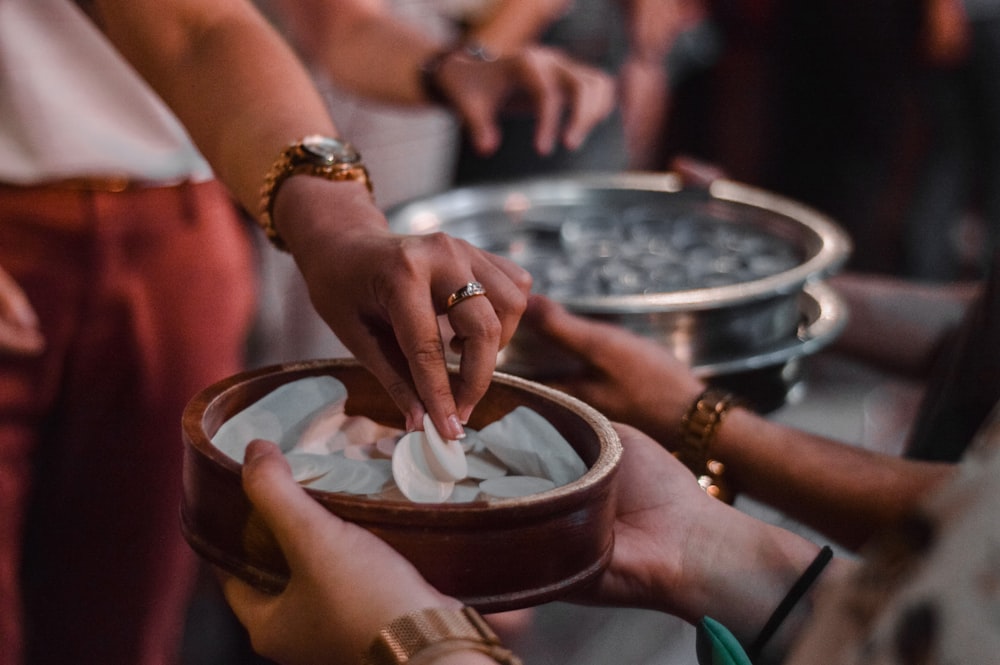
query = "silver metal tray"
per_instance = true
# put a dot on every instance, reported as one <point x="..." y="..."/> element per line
<point x="710" y="327"/>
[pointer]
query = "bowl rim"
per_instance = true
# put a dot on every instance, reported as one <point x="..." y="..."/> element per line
<point x="824" y="317"/>
<point x="834" y="244"/>
<point x="359" y="508"/>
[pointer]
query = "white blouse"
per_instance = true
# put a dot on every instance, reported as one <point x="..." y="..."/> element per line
<point x="71" y="106"/>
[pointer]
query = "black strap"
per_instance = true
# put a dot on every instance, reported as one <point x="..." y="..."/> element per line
<point x="787" y="603"/>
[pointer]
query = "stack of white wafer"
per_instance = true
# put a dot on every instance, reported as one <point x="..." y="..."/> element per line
<point x="518" y="455"/>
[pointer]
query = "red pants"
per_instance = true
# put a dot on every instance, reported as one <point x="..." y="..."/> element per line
<point x="144" y="298"/>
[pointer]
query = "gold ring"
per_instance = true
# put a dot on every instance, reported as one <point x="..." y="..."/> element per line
<point x="470" y="290"/>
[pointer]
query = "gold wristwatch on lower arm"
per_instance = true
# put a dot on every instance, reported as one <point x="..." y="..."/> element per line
<point x="424" y="634"/>
<point x="315" y="155"/>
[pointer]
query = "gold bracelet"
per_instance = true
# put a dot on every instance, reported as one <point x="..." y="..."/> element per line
<point x="415" y="637"/>
<point x="698" y="429"/>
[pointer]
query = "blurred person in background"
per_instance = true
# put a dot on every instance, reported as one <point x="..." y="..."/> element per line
<point x="410" y="148"/>
<point x="631" y="41"/>
<point x="952" y="224"/>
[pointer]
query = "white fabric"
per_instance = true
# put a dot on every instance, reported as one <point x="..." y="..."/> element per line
<point x="70" y="106"/>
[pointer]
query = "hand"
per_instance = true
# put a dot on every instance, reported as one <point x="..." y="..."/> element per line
<point x="382" y="292"/>
<point x="556" y="85"/>
<point x="627" y="377"/>
<point x="680" y="551"/>
<point x="19" y="333"/>
<point x="345" y="585"/>
<point x="662" y="518"/>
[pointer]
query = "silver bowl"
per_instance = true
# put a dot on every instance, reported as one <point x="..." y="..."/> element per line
<point x="557" y="220"/>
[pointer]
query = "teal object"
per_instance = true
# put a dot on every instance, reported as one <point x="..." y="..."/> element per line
<point x="717" y="646"/>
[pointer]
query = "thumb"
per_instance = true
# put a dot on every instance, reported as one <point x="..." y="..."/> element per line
<point x="285" y="507"/>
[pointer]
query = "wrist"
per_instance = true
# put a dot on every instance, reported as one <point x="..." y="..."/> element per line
<point x="317" y="156"/>
<point x="307" y="210"/>
<point x="668" y="426"/>
<point x="431" y="70"/>
<point x="741" y="574"/>
<point x="696" y="437"/>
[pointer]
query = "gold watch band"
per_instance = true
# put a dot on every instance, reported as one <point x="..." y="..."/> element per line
<point x="293" y="160"/>
<point x="407" y="639"/>
<point x="699" y="426"/>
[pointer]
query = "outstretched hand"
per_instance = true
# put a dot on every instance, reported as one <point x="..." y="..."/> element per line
<point x="629" y="378"/>
<point x="345" y="584"/>
<point x="680" y="551"/>
<point x="665" y="528"/>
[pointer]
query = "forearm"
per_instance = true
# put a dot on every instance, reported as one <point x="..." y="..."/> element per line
<point x="737" y="570"/>
<point x="239" y="110"/>
<point x="896" y="323"/>
<point x="843" y="491"/>
<point x="346" y="38"/>
<point x="513" y="24"/>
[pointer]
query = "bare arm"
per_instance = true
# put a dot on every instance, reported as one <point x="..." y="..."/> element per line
<point x="347" y="38"/>
<point x="240" y="110"/>
<point x="897" y="324"/>
<point x="893" y="323"/>
<point x="350" y="38"/>
<point x="513" y="24"/>
<point x="834" y="487"/>
<point x="676" y="550"/>
<point x="843" y="491"/>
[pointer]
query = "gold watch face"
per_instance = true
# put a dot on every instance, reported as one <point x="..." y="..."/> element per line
<point x="325" y="151"/>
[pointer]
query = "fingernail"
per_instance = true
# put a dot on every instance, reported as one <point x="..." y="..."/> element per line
<point x="457" y="431"/>
<point x="415" y="419"/>
<point x="253" y="450"/>
<point x="465" y="415"/>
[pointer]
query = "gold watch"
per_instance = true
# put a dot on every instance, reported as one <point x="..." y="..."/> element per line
<point x="315" y="155"/>
<point x="698" y="429"/>
<point x="415" y="637"/>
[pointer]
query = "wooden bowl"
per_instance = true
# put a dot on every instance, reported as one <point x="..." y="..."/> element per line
<point x="496" y="554"/>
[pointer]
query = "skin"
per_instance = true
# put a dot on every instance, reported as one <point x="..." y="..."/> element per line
<point x="334" y="604"/>
<point x="243" y="106"/>
<point x="653" y="27"/>
<point x="475" y="90"/>
<point x="897" y="324"/>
